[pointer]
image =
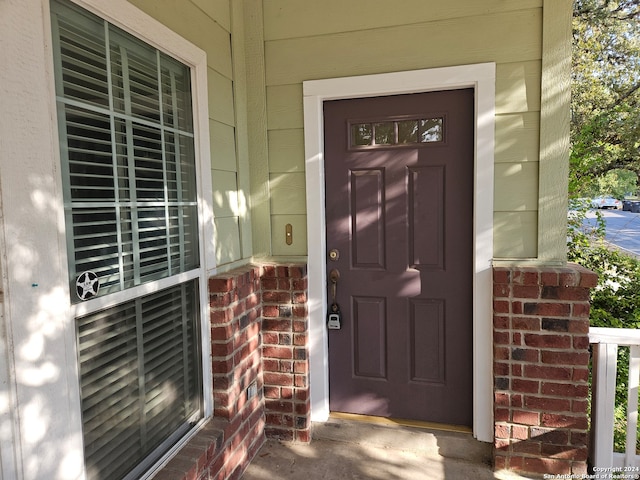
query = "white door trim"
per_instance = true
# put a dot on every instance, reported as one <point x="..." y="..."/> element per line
<point x="481" y="77"/>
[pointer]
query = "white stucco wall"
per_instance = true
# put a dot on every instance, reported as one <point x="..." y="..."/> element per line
<point x="40" y="399"/>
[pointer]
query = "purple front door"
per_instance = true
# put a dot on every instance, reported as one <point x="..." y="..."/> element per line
<point x="399" y="213"/>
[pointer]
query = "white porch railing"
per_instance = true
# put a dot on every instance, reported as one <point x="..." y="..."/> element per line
<point x="605" y="357"/>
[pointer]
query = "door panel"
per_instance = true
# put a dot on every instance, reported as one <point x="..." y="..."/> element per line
<point x="399" y="205"/>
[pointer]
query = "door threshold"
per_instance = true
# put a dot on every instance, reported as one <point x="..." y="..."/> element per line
<point x="400" y="422"/>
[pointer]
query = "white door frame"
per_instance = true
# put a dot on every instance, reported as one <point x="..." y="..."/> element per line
<point x="481" y="77"/>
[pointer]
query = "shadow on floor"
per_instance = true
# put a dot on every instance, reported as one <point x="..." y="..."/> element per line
<point x="343" y="450"/>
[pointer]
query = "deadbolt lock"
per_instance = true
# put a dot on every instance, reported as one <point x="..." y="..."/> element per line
<point x="334" y="254"/>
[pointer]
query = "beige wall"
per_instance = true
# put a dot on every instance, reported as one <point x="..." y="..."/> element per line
<point x="334" y="38"/>
<point x="277" y="44"/>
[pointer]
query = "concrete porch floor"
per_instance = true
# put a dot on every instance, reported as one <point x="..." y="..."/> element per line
<point x="347" y="449"/>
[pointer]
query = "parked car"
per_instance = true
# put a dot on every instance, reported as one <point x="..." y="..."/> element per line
<point x="606" y="202"/>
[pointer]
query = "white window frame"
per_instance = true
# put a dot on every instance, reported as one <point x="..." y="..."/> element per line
<point x="129" y="18"/>
<point x="480" y="77"/>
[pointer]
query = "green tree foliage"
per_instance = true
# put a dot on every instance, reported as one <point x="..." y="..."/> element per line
<point x="605" y="123"/>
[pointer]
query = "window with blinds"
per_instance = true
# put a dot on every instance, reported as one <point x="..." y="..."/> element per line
<point x="127" y="141"/>
<point x="130" y="198"/>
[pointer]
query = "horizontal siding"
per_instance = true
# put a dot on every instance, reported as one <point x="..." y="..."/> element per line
<point x="278" y="238"/>
<point x="516" y="187"/>
<point x="286" y="150"/>
<point x="517" y="137"/>
<point x="217" y="10"/>
<point x="287" y="193"/>
<point x="196" y="25"/>
<point x="225" y="194"/>
<point x="516" y="235"/>
<point x="315" y="40"/>
<point x="221" y="106"/>
<point x="295" y="18"/>
<point x="223" y="146"/>
<point x="227" y="232"/>
<point x="433" y="44"/>
<point x="284" y="106"/>
<point x="518" y="87"/>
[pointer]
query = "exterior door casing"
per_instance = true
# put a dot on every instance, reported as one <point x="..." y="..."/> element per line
<point x="480" y="77"/>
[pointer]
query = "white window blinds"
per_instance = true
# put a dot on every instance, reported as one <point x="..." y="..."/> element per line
<point x="127" y="138"/>
<point x="129" y="178"/>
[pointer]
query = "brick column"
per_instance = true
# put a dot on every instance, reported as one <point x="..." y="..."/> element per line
<point x="541" y="358"/>
<point x="234" y="300"/>
<point x="285" y="352"/>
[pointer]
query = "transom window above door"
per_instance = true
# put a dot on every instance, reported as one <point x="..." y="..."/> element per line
<point x="401" y="132"/>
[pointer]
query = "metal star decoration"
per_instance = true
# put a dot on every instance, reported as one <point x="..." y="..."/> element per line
<point x="87" y="285"/>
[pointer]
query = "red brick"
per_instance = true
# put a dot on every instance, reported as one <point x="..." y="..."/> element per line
<point x="547" y="373"/>
<point x="516" y="370"/>
<point x="276" y="297"/>
<point x="525" y="386"/>
<point x="581" y="310"/>
<point x="501" y="399"/>
<point x="501" y="415"/>
<point x="579" y="406"/>
<point x="547" y="341"/>
<point x="276" y="325"/>
<point x="501" y="353"/>
<point x="516" y="401"/>
<point x="501" y="444"/>
<point x="502" y="431"/>
<point x="525" y="418"/>
<point x="580" y="375"/>
<point x="569" y="277"/>
<point x="565" y="358"/>
<point x="501" y="275"/>
<point x="270" y="311"/>
<point x="530" y="355"/>
<point x="500" y="463"/>
<point x="553" y="420"/>
<point x="549" y="278"/>
<point x="501" y="290"/>
<point x="501" y="323"/>
<point x="220" y="285"/>
<point x="550" y="435"/>
<point x="524" y="323"/>
<point x="281" y="379"/>
<point x="526" y="447"/>
<point x="526" y="276"/>
<point x="526" y="291"/>
<point x="588" y="279"/>
<point x="277" y="352"/>
<point x="516" y="308"/>
<point x="221" y="349"/>
<point x="546" y="465"/>
<point x="581" y="342"/>
<point x="565" y="390"/>
<point x="565" y="452"/>
<point x="578" y="438"/>
<point x="501" y="306"/>
<point x="501" y="368"/>
<point x="548" y="404"/>
<point x="519" y="432"/>
<point x="224" y="315"/>
<point x="547" y="309"/>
